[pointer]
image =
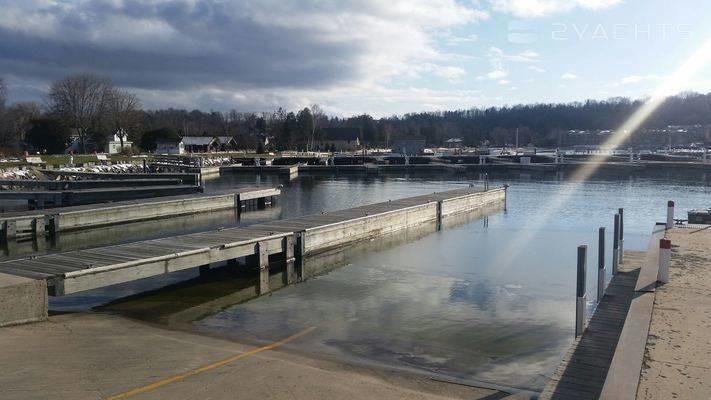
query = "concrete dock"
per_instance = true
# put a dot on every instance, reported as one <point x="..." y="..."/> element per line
<point x="55" y="220"/>
<point x="39" y="199"/>
<point x="292" y="240"/>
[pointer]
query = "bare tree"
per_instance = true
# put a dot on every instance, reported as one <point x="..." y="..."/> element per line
<point x="17" y="120"/>
<point x="81" y="101"/>
<point x="123" y="112"/>
<point x="3" y="94"/>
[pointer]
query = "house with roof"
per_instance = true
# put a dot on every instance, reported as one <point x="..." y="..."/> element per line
<point x="454" y="143"/>
<point x="227" y="143"/>
<point x="118" y="142"/>
<point x="200" y="144"/>
<point x="114" y="142"/>
<point x="170" y="147"/>
<point x="339" y="139"/>
<point x="409" y="146"/>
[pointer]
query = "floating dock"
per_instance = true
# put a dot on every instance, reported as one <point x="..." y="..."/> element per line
<point x="39" y="199"/>
<point x="606" y="360"/>
<point x="55" y="220"/>
<point x="291" y="240"/>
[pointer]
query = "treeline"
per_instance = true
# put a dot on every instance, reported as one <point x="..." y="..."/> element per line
<point x="92" y="108"/>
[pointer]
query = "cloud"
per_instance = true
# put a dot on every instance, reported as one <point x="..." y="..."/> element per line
<point x="535" y="68"/>
<point x="541" y="8"/>
<point x="569" y="76"/>
<point x="634" y="79"/>
<point x="224" y="50"/>
<point x="493" y="75"/>
<point x="497" y="59"/>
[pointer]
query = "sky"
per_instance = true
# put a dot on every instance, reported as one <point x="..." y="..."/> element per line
<point x="351" y="57"/>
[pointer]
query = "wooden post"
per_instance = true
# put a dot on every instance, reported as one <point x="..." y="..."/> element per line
<point x="289" y="259"/>
<point x="38" y="227"/>
<point x="581" y="296"/>
<point x="601" y="264"/>
<point x="621" y="244"/>
<point x="9" y="231"/>
<point x="299" y="252"/>
<point x="439" y="215"/>
<point x="615" y="244"/>
<point x="53" y="223"/>
<point x="263" y="263"/>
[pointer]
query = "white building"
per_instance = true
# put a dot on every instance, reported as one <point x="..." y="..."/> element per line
<point x="170" y="147"/>
<point x="114" y="145"/>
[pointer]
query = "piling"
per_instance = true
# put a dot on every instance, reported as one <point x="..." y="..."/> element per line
<point x="581" y="299"/>
<point x="289" y="259"/>
<point x="664" y="260"/>
<point x="616" y="245"/>
<point x="263" y="262"/>
<point x="670" y="214"/>
<point x="601" y="264"/>
<point x="621" y="243"/>
<point x="9" y="231"/>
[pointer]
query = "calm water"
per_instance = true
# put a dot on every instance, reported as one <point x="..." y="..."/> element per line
<point x="490" y="300"/>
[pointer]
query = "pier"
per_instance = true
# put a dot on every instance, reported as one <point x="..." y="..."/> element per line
<point x="606" y="360"/>
<point x="290" y="240"/>
<point x="54" y="220"/>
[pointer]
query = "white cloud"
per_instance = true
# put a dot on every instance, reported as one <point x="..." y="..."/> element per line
<point x="569" y="76"/>
<point x="493" y="75"/>
<point x="536" y="68"/>
<point x="634" y="79"/>
<point x="540" y="8"/>
<point x="187" y="46"/>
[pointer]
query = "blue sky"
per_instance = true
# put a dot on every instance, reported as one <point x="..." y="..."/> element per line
<point x="353" y="57"/>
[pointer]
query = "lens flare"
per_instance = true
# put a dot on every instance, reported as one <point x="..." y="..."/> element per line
<point x="671" y="85"/>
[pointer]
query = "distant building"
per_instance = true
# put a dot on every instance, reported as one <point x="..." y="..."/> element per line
<point x="227" y="143"/>
<point x="454" y="143"/>
<point x="114" y="145"/>
<point x="201" y="144"/>
<point x="170" y="147"/>
<point x="409" y="146"/>
<point x="339" y="139"/>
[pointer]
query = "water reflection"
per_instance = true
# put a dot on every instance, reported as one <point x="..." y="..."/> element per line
<point x="439" y="302"/>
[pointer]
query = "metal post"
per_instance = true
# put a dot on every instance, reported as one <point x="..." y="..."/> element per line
<point x="615" y="244"/>
<point x="601" y="264"/>
<point x="581" y="296"/>
<point x="670" y="214"/>
<point x="621" y="243"/>
<point x="664" y="260"/>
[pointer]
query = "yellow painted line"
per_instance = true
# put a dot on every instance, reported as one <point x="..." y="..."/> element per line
<point x="205" y="368"/>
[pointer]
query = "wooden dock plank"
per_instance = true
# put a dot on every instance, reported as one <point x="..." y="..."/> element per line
<point x="582" y="372"/>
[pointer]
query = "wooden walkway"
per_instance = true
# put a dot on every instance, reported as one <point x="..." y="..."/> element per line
<point x="88" y="269"/>
<point x="605" y="362"/>
<point x="582" y="372"/>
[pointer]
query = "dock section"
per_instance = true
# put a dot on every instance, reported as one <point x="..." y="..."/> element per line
<point x="291" y="239"/>
<point x="55" y="220"/>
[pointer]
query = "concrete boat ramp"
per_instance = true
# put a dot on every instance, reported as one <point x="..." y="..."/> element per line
<point x="290" y="240"/>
